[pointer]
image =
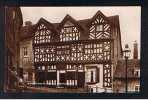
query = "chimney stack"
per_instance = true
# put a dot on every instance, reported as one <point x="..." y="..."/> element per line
<point x="28" y="23"/>
<point x="135" y="53"/>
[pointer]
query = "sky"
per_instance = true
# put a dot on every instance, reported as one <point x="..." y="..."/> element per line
<point x="129" y="17"/>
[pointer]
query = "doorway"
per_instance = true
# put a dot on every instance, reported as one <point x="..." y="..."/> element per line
<point x="61" y="78"/>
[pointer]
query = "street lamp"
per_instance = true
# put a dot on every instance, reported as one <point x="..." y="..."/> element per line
<point x="126" y="54"/>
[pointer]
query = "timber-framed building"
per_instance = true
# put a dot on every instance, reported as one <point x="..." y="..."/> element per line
<point x="77" y="53"/>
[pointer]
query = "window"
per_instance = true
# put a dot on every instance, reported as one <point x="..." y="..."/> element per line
<point x="52" y="67"/>
<point x="26" y="60"/>
<point x="99" y="27"/>
<point x="13" y="14"/>
<point x="43" y="67"/>
<point x="93" y="52"/>
<point x="42" y="35"/>
<point x="69" y="33"/>
<point x="137" y="88"/>
<point x="39" y="68"/>
<point x="137" y="73"/>
<point x="25" y="52"/>
<point x="63" y="53"/>
<point x="98" y="31"/>
<point x="71" y="82"/>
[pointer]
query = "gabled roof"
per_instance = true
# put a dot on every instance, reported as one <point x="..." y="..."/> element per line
<point x="55" y="25"/>
<point x="18" y="9"/>
<point x="72" y="20"/>
<point x="82" y="24"/>
<point x="28" y="31"/>
<point x="120" y="71"/>
<point x="114" y="20"/>
<point x="47" y="23"/>
<point x="99" y="13"/>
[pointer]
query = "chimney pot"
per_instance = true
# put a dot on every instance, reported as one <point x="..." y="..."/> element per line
<point x="135" y="53"/>
<point x="28" y="23"/>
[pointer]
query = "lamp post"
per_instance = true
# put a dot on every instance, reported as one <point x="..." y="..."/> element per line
<point x="126" y="54"/>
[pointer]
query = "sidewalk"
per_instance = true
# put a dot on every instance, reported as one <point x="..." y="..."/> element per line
<point x="54" y="90"/>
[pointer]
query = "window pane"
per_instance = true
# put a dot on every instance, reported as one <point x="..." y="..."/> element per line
<point x="25" y="52"/>
<point x="99" y="28"/>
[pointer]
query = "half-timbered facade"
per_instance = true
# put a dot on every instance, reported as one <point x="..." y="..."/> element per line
<point x="80" y="53"/>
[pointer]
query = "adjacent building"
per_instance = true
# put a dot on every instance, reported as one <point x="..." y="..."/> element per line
<point x="13" y="24"/>
<point x="133" y="75"/>
<point x="26" y="52"/>
<point x="77" y="53"/>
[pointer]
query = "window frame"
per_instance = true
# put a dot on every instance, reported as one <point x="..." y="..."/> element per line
<point x="69" y="33"/>
<point x="99" y="27"/>
<point x="25" y="51"/>
<point x="137" y="72"/>
<point x="137" y="88"/>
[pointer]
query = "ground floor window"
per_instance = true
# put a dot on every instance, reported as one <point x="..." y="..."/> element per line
<point x="71" y="75"/>
<point x="61" y="75"/>
<point x="137" y="88"/>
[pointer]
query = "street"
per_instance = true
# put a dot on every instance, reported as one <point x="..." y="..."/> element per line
<point x="54" y="90"/>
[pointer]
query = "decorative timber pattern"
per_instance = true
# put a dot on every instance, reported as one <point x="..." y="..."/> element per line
<point x="62" y="50"/>
<point x="69" y="32"/>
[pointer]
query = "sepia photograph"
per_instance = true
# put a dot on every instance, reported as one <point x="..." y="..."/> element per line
<point x="77" y="49"/>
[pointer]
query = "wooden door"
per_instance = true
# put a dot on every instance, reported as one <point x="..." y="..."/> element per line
<point x="62" y="79"/>
<point x="81" y="79"/>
